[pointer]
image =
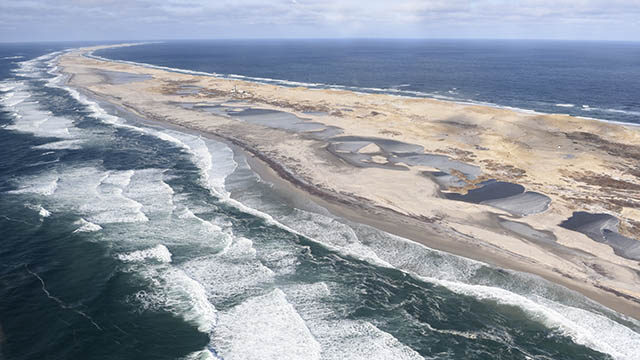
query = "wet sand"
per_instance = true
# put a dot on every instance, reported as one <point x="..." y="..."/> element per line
<point x="396" y="163"/>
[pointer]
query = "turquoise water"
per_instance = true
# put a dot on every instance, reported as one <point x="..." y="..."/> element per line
<point x="121" y="240"/>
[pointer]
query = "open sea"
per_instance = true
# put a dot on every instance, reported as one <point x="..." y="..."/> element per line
<point x="123" y="240"/>
<point x="590" y="79"/>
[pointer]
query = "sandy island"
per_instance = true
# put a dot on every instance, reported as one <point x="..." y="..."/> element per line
<point x="553" y="195"/>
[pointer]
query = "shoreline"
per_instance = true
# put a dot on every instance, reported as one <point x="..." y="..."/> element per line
<point x="353" y="89"/>
<point x="299" y="193"/>
<point x="286" y="185"/>
<point x="413" y="233"/>
<point x="429" y="231"/>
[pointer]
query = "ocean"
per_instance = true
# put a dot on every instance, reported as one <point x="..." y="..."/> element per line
<point x="120" y="239"/>
<point x="581" y="78"/>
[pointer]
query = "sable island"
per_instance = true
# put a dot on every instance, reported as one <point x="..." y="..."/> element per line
<point x="547" y="194"/>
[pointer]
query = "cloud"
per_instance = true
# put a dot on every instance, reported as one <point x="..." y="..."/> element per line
<point x="147" y="19"/>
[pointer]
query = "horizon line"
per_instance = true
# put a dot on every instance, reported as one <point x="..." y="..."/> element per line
<point x="115" y="41"/>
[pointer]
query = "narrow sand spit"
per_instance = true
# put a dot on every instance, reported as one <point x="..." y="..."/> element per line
<point x="490" y="184"/>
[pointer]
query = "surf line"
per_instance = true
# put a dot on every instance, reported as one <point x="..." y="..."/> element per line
<point x="61" y="303"/>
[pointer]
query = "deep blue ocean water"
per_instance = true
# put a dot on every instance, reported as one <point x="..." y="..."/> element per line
<point x="122" y="240"/>
<point x="591" y="79"/>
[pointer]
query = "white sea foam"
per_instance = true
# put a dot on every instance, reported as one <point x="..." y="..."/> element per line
<point x="62" y="144"/>
<point x="86" y="226"/>
<point x="332" y="234"/>
<point x="159" y="253"/>
<point x="615" y="111"/>
<point x="415" y="258"/>
<point x="137" y="195"/>
<point x="148" y="188"/>
<point x="12" y="57"/>
<point x="215" y="161"/>
<point x="97" y="111"/>
<point x="584" y="327"/>
<point x="234" y="271"/>
<point x="372" y="245"/>
<point x="310" y="300"/>
<point x="101" y="195"/>
<point x="214" y="158"/>
<point x="120" y="179"/>
<point x="362" y="340"/>
<point x="14" y="97"/>
<point x="29" y="117"/>
<point x="44" y="212"/>
<point x="565" y="105"/>
<point x="595" y="331"/>
<point x="264" y="327"/>
<point x="590" y="108"/>
<point x="211" y="234"/>
<point x="39" y="185"/>
<point x="95" y="193"/>
<point x="6" y="86"/>
<point x="205" y="354"/>
<point x="40" y="209"/>
<point x="37" y="67"/>
<point x="173" y="291"/>
<point x="337" y="337"/>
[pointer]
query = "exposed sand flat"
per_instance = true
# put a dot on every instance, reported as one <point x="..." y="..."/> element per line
<point x="386" y="160"/>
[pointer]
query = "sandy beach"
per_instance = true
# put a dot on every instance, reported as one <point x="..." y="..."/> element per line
<point x="553" y="195"/>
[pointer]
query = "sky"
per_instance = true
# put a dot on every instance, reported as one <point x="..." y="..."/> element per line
<point x="46" y="20"/>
